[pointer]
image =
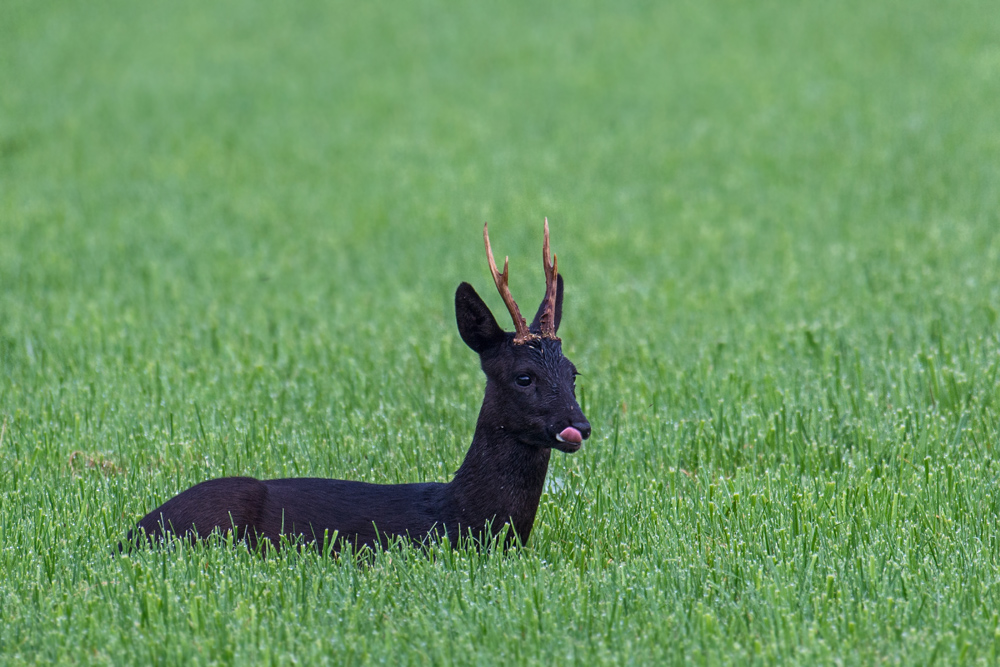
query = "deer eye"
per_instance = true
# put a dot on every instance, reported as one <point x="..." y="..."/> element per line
<point x="523" y="380"/>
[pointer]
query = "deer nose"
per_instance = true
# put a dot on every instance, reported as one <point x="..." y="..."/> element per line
<point x="583" y="428"/>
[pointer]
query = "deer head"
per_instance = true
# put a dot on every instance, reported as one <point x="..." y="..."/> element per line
<point x="530" y="385"/>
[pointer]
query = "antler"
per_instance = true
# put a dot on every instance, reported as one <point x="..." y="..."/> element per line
<point x="547" y="322"/>
<point x="522" y="334"/>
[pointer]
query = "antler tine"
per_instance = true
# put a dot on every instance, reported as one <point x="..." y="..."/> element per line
<point x="522" y="335"/>
<point x="548" y="319"/>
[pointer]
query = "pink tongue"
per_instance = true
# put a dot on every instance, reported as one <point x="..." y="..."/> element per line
<point x="570" y="434"/>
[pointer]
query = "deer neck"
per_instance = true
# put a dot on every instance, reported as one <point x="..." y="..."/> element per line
<point x="500" y="480"/>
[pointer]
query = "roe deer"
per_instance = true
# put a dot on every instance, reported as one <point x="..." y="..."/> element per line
<point x="529" y="408"/>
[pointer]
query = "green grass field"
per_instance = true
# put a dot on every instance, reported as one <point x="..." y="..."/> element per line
<point x="230" y="236"/>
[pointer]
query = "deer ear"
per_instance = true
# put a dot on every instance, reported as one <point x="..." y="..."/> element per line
<point x="476" y="324"/>
<point x="536" y="324"/>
